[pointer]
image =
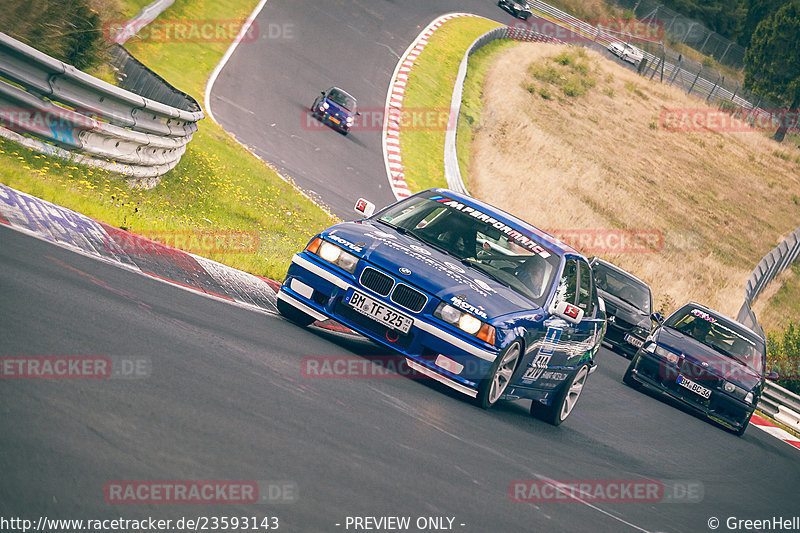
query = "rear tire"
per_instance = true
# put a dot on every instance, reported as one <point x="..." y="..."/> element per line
<point x="564" y="403"/>
<point x="294" y="315"/>
<point x="494" y="385"/>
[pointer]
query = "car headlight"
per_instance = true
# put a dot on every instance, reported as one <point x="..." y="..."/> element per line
<point x="465" y="322"/>
<point x="349" y="121"/>
<point x="324" y="105"/>
<point x="662" y="352"/>
<point x="739" y="392"/>
<point x="333" y="254"/>
<point x="469" y="323"/>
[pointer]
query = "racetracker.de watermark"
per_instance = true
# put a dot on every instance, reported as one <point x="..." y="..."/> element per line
<point x="629" y="30"/>
<point x="74" y="367"/>
<point x="197" y="31"/>
<point x="606" y="491"/>
<point x="375" y="367"/>
<point x="687" y="120"/>
<point x="611" y="241"/>
<point x="50" y="120"/>
<point x="200" y="492"/>
<point x="407" y="119"/>
<point x="199" y="242"/>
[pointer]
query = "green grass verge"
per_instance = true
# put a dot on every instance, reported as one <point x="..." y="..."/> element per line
<point x="429" y="89"/>
<point x="131" y="8"/>
<point x="218" y="186"/>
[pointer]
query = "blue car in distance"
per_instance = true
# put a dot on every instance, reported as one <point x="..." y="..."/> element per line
<point x="473" y="297"/>
<point x="336" y="108"/>
<point x="706" y="361"/>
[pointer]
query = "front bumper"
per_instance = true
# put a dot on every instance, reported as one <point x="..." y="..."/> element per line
<point x="720" y="407"/>
<point x="615" y="339"/>
<point x="319" y="290"/>
<point x="331" y="120"/>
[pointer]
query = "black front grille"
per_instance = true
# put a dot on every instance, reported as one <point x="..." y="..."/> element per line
<point x="376" y="281"/>
<point x="409" y="298"/>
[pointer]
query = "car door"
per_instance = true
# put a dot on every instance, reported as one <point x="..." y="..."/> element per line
<point x="592" y="327"/>
<point x="562" y="345"/>
<point x="549" y="349"/>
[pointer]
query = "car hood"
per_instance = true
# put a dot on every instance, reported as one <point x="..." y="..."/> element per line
<point x="336" y="109"/>
<point x="625" y="311"/>
<point x="717" y="364"/>
<point x="432" y="271"/>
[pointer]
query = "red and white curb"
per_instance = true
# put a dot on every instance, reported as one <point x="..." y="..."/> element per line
<point x="393" y="109"/>
<point x="775" y="431"/>
<point x="80" y="233"/>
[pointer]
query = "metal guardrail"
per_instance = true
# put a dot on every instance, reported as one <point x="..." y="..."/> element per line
<point x="772" y="264"/>
<point x="54" y="108"/>
<point x="147" y="15"/>
<point x="671" y="66"/>
<point x="452" y="172"/>
<point x="781" y="404"/>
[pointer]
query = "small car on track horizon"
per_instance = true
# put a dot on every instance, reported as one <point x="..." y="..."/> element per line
<point x="473" y="297"/>
<point x="629" y="304"/>
<point x="626" y="52"/>
<point x="518" y="8"/>
<point x="706" y="361"/>
<point x="336" y="108"/>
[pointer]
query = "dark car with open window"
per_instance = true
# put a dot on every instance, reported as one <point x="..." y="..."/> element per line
<point x="629" y="304"/>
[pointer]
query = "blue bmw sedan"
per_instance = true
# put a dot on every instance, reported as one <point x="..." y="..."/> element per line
<point x="472" y="296"/>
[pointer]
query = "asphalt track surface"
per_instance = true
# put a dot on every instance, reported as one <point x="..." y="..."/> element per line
<point x="227" y="399"/>
<point x="263" y="93"/>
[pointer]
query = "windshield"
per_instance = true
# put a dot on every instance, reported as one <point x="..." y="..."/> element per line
<point x="722" y="336"/>
<point x="479" y="241"/>
<point x="342" y="99"/>
<point x="624" y="287"/>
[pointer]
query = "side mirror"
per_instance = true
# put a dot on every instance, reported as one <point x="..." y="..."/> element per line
<point x="358" y="113"/>
<point x="322" y="92"/>
<point x="772" y="376"/>
<point x="657" y="318"/>
<point x="364" y="208"/>
<point x="567" y="311"/>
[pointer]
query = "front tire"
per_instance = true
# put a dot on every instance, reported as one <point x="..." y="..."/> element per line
<point x="294" y="315"/>
<point x="627" y="377"/>
<point x="494" y="385"/>
<point x="564" y="402"/>
<point x="739" y="432"/>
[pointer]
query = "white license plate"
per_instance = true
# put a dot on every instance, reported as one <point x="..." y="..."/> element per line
<point x="379" y="312"/>
<point x="630" y="339"/>
<point x="696" y="388"/>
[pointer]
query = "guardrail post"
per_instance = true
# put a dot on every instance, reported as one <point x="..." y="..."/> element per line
<point x="695" y="80"/>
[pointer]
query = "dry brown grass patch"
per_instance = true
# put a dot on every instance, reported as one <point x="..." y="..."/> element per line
<point x="602" y="160"/>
